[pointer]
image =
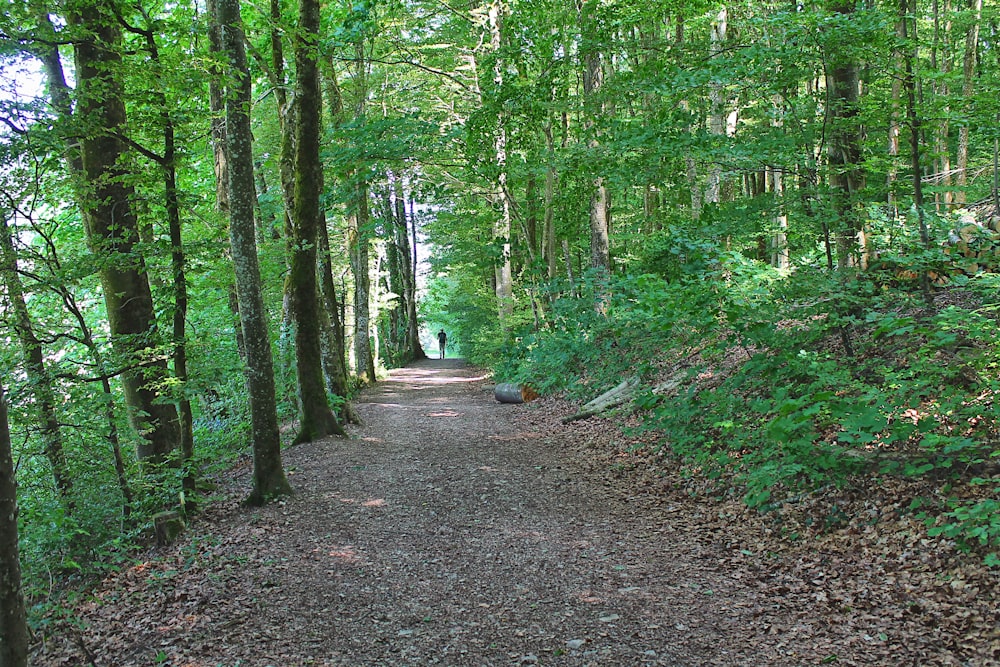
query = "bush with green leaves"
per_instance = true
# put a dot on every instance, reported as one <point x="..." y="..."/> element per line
<point x="824" y="377"/>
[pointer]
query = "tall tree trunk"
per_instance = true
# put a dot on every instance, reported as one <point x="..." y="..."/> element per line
<point x="359" y="242"/>
<point x="941" y="60"/>
<point x="717" y="116"/>
<point x="317" y="420"/>
<point x="334" y="351"/>
<point x="968" y="88"/>
<point x="269" y="478"/>
<point x="779" y="256"/>
<point x="286" y="110"/>
<point x="895" y="124"/>
<point x="359" y="235"/>
<point x="531" y="219"/>
<point x="549" y="226"/>
<point x="217" y="105"/>
<point x="332" y="331"/>
<point x="393" y="281"/>
<point x="844" y="146"/>
<point x="593" y="80"/>
<point x="113" y="231"/>
<point x="414" y="350"/>
<point x="39" y="378"/>
<point x="168" y="162"/>
<point x="13" y="620"/>
<point x="413" y="248"/>
<point x="503" y="274"/>
<point x="910" y="86"/>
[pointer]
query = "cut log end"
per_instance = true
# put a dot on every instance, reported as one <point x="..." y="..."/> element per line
<point x="507" y="392"/>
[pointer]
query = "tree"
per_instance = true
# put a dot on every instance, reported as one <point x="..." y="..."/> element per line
<point x="331" y="319"/>
<point x="269" y="476"/>
<point x="39" y="378"/>
<point x="359" y="235"/>
<point x="13" y="624"/>
<point x="168" y="163"/>
<point x="502" y="226"/>
<point x="113" y="229"/>
<point x="968" y="87"/>
<point x="317" y="420"/>
<point x="844" y="148"/>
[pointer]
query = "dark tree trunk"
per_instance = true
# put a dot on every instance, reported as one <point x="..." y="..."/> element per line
<point x="269" y="475"/>
<point x="217" y="104"/>
<point x="337" y="307"/>
<point x="332" y="330"/>
<point x="168" y="163"/>
<point x="331" y="323"/>
<point x="316" y="418"/>
<point x="844" y="147"/>
<point x="113" y="231"/>
<point x="395" y="283"/>
<point x="13" y="623"/>
<point x="34" y="365"/>
<point x="61" y="104"/>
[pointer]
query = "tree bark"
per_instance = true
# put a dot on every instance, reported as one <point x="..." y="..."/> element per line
<point x="593" y="80"/>
<point x="412" y="348"/>
<point x="968" y="88"/>
<point x="217" y="106"/>
<point x="168" y="164"/>
<point x="910" y="86"/>
<point x="359" y="236"/>
<point x="113" y="231"/>
<point x="779" y="257"/>
<point x="39" y="378"/>
<point x="717" y="116"/>
<point x="358" y="241"/>
<point x="317" y="420"/>
<point x="941" y="61"/>
<point x="549" y="226"/>
<point x="13" y="622"/>
<point x="269" y="478"/>
<point x="844" y="147"/>
<point x="331" y="319"/>
<point x="503" y="274"/>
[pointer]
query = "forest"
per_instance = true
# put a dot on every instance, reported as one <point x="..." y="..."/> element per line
<point x="774" y="226"/>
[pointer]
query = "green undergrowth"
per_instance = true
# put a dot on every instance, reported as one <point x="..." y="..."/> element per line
<point x="63" y="553"/>
<point x="796" y="382"/>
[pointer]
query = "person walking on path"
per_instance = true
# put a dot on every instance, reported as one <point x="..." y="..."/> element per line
<point x="442" y="340"/>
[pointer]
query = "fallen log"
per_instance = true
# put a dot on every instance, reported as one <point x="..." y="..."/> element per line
<point x="623" y="393"/>
<point x="609" y="399"/>
<point x="507" y="392"/>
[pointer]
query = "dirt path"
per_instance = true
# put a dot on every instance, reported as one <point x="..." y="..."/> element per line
<point x="449" y="530"/>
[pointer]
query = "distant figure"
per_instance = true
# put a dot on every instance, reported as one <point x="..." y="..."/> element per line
<point x="442" y="340"/>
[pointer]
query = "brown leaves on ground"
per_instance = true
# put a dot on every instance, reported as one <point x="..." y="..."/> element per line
<point x="456" y="530"/>
<point x="850" y="575"/>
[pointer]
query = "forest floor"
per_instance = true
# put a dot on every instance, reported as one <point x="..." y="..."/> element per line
<point x="454" y="530"/>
